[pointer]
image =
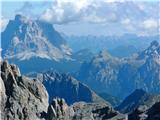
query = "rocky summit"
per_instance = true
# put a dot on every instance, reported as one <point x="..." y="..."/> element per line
<point x="27" y="41"/>
<point x="26" y="99"/>
<point x="24" y="39"/>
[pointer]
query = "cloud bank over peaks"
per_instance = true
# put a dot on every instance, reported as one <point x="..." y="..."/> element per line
<point x="132" y="16"/>
<point x="66" y="11"/>
<point x="112" y="16"/>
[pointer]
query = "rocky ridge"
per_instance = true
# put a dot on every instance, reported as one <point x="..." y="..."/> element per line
<point x="67" y="87"/>
<point x="138" y="98"/>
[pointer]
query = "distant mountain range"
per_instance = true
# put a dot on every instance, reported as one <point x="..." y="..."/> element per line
<point x="26" y="42"/>
<point x="120" y="77"/>
<point x="119" y="46"/>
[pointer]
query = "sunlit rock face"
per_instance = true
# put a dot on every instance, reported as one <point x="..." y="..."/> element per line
<point x="26" y="42"/>
<point x="24" y="99"/>
<point x="24" y="39"/>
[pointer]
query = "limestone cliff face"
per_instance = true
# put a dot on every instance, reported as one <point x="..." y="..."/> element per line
<point x="21" y="98"/>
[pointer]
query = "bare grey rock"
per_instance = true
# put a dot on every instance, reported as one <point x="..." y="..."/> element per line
<point x="59" y="110"/>
<point x="2" y="98"/>
<point x="25" y="99"/>
<point x="94" y="111"/>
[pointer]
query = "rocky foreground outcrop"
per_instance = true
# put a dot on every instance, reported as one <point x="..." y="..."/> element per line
<point x="25" y="99"/>
<point x="59" y="110"/>
<point x="21" y="98"/>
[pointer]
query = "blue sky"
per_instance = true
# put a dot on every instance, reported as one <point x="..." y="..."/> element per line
<point x="95" y="17"/>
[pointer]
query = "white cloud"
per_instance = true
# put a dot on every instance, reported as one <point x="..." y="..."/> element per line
<point x="150" y="24"/>
<point x="126" y="21"/>
<point x="60" y="12"/>
<point x="65" y="11"/>
<point x="133" y="16"/>
<point x="3" y="23"/>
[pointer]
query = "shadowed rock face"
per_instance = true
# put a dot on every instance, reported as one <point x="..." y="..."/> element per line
<point x="146" y="113"/>
<point x="136" y="99"/>
<point x="23" y="99"/>
<point x="67" y="87"/>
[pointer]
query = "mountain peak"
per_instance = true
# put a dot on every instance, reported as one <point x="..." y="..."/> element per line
<point x="154" y="44"/>
<point x="153" y="51"/>
<point x="20" y="18"/>
<point x="25" y="38"/>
